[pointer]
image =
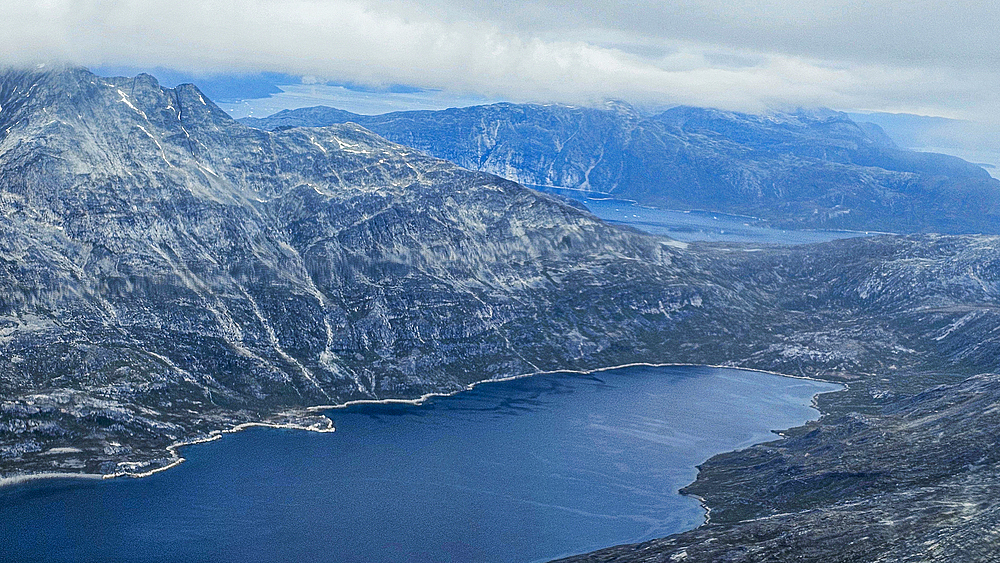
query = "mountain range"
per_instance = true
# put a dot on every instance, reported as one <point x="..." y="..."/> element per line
<point x="168" y="272"/>
<point x="808" y="169"/>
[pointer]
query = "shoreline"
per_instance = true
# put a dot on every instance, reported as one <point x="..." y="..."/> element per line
<point x="213" y="436"/>
<point x="177" y="458"/>
<point x="173" y="449"/>
<point x="473" y="385"/>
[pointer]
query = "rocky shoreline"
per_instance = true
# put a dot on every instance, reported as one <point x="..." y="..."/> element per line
<point x="913" y="480"/>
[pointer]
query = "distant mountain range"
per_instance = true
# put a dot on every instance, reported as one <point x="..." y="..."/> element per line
<point x="811" y="169"/>
<point x="973" y="141"/>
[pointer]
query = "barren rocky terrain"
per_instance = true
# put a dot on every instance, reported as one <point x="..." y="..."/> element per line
<point x="167" y="273"/>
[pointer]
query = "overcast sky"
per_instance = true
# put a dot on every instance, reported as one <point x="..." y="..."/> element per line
<point x="927" y="57"/>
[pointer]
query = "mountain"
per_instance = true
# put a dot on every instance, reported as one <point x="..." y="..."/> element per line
<point x="969" y="140"/>
<point x="168" y="273"/>
<point x="915" y="480"/>
<point x="217" y="86"/>
<point x="810" y="169"/>
<point x="911" y="130"/>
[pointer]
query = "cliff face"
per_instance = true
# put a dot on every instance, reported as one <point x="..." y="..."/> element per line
<point x="813" y="169"/>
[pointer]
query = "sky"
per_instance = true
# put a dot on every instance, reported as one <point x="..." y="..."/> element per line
<point x="925" y="57"/>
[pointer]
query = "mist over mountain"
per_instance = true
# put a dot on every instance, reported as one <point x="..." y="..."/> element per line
<point x="810" y="169"/>
<point x="970" y="140"/>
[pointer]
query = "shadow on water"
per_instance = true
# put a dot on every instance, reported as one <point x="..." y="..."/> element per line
<point x="512" y="397"/>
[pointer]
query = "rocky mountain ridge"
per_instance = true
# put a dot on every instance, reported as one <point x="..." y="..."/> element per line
<point x="810" y="169"/>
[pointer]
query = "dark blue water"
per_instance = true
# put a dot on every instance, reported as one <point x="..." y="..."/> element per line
<point x="690" y="226"/>
<point x="524" y="470"/>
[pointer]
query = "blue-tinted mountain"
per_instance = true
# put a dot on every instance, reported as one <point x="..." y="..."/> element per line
<point x="810" y="169"/>
<point x="218" y="86"/>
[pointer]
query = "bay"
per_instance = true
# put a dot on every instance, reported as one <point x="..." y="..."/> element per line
<point x="521" y="470"/>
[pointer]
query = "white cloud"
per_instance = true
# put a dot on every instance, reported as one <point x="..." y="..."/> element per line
<point x="929" y="57"/>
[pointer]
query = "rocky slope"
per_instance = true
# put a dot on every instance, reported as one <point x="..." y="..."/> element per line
<point x="811" y="169"/>
<point x="915" y="481"/>
<point x="168" y="272"/>
<point x="903" y="465"/>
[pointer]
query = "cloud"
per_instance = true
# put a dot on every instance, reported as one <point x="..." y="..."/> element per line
<point x="934" y="58"/>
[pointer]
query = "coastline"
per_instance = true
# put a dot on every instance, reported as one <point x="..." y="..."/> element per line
<point x="213" y="436"/>
<point x="475" y="384"/>
<point x="176" y="458"/>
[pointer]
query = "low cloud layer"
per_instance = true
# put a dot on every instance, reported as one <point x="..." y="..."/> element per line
<point x="932" y="58"/>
